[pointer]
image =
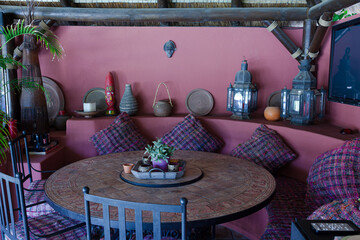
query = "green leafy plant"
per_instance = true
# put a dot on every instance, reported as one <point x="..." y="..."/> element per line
<point x="159" y="151"/>
<point x="342" y="14"/>
<point x="47" y="40"/>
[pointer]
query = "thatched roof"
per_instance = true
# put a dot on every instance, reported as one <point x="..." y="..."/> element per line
<point x="286" y="12"/>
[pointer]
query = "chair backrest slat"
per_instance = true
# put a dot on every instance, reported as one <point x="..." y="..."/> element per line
<point x="20" y="156"/>
<point x="156" y="225"/>
<point x="122" y="223"/>
<point x="7" y="211"/>
<point x="106" y="218"/>
<point x="138" y="209"/>
<point x="138" y="224"/>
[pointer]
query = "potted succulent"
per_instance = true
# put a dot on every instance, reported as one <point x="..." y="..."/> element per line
<point x="160" y="154"/>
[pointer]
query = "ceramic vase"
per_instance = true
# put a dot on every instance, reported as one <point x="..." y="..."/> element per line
<point x="128" y="102"/>
<point x="162" y="164"/>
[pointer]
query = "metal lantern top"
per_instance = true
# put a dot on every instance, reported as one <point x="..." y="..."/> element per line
<point x="243" y="77"/>
<point x="304" y="79"/>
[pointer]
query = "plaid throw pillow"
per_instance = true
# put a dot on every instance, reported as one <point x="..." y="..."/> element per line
<point x="347" y="209"/>
<point x="266" y="148"/>
<point x="191" y="135"/>
<point x="120" y="136"/>
<point x="335" y="175"/>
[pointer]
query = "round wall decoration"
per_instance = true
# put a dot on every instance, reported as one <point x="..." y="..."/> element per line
<point x="199" y="102"/>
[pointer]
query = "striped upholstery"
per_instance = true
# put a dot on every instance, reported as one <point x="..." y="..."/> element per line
<point x="191" y="135"/>
<point x="266" y="148"/>
<point x="37" y="196"/>
<point x="347" y="209"/>
<point x="335" y="174"/>
<point x="122" y="135"/>
<point x="50" y="223"/>
<point x="288" y="204"/>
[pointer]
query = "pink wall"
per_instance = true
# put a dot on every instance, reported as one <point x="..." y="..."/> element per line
<point x="206" y="57"/>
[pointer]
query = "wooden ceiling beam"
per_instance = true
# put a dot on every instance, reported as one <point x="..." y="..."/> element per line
<point x="161" y="14"/>
<point x="329" y="6"/>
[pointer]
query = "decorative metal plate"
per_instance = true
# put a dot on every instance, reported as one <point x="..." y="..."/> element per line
<point x="199" y="102"/>
<point x="274" y="100"/>
<point x="54" y="98"/>
<point x="96" y="95"/>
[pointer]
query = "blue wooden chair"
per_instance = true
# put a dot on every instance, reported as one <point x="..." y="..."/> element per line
<point x="121" y="205"/>
<point x="34" y="193"/>
<point x="15" y="226"/>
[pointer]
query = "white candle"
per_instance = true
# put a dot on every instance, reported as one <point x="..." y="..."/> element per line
<point x="89" y="107"/>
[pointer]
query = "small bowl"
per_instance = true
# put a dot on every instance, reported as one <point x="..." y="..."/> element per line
<point x="127" y="167"/>
<point x="173" y="167"/>
<point x="146" y="160"/>
<point x="144" y="167"/>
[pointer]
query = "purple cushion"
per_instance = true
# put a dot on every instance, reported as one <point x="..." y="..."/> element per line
<point x="191" y="135"/>
<point x="49" y="223"/>
<point x="120" y="136"/>
<point x="347" y="209"/>
<point x="288" y="203"/>
<point x="266" y="148"/>
<point x="335" y="175"/>
<point x="35" y="197"/>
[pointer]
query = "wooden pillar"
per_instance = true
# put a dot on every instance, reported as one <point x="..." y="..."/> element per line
<point x="324" y="22"/>
<point x="308" y="34"/>
<point x="284" y="39"/>
<point x="163" y="4"/>
<point x="68" y="3"/>
<point x="236" y="4"/>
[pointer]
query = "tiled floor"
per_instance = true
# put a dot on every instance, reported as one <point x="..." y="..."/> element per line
<point x="223" y="233"/>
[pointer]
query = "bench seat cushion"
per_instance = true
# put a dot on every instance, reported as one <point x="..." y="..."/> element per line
<point x="288" y="204"/>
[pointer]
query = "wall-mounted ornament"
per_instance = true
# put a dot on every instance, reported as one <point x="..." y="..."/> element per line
<point x="169" y="48"/>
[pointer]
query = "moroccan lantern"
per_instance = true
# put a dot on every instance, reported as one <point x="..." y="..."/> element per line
<point x="303" y="103"/>
<point x="242" y="96"/>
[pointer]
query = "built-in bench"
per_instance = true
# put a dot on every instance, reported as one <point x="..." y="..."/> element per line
<point x="307" y="141"/>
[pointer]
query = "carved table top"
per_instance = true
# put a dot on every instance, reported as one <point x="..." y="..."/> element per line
<point x="230" y="188"/>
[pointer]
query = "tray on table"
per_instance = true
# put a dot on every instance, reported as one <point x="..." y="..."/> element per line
<point x="157" y="173"/>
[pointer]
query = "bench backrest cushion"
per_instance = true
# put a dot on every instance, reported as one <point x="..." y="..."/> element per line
<point x="190" y="134"/>
<point x="335" y="175"/>
<point x="266" y="148"/>
<point x="120" y="136"/>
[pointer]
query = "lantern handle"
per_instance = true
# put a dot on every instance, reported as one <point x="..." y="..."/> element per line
<point x="167" y="93"/>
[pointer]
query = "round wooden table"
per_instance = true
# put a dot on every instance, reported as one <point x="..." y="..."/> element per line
<point x="230" y="187"/>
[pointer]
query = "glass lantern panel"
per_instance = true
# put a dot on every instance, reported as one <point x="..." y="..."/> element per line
<point x="230" y="99"/>
<point x="238" y="104"/>
<point x="295" y="104"/>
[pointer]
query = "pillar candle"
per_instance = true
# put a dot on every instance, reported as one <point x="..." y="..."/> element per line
<point x="89" y="107"/>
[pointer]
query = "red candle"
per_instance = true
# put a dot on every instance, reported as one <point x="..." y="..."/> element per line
<point x="109" y="94"/>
